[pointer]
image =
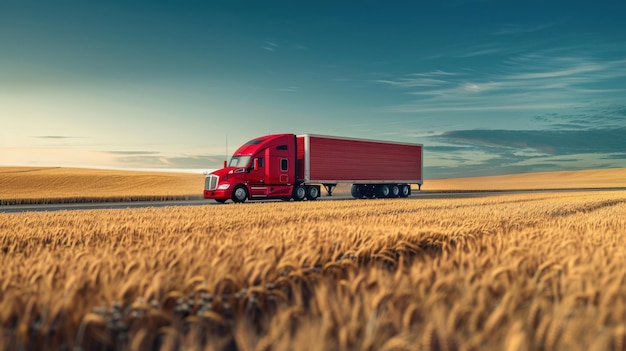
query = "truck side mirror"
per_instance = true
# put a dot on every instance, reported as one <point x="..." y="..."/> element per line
<point x="256" y="164"/>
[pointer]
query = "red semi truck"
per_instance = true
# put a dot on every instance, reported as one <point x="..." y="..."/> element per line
<point x="288" y="166"/>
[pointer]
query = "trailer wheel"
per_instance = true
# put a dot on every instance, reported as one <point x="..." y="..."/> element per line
<point x="357" y="191"/>
<point x="299" y="193"/>
<point x="312" y="192"/>
<point x="240" y="194"/>
<point x="395" y="191"/>
<point x="221" y="201"/>
<point x="369" y="191"/>
<point x="382" y="191"/>
<point x="405" y="190"/>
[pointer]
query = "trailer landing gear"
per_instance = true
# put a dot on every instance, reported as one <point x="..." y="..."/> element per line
<point x="329" y="188"/>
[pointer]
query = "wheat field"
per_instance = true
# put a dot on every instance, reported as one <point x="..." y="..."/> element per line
<point x="505" y="272"/>
<point x="36" y="185"/>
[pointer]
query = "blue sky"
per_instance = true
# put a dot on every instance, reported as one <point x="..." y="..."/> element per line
<point x="489" y="87"/>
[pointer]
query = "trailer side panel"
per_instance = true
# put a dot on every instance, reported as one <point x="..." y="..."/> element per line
<point x="330" y="159"/>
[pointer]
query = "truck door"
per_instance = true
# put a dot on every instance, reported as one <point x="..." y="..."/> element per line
<point x="257" y="177"/>
<point x="280" y="166"/>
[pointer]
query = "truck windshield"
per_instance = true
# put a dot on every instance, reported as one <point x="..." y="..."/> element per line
<point x="239" y="161"/>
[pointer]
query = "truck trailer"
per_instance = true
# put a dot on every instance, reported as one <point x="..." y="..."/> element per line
<point x="289" y="166"/>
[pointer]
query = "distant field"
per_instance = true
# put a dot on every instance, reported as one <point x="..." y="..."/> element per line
<point x="503" y="272"/>
<point x="40" y="185"/>
<point x="596" y="178"/>
<point x="23" y="185"/>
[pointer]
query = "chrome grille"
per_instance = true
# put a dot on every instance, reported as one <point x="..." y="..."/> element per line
<point x="210" y="182"/>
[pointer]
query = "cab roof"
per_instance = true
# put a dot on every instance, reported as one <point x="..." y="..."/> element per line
<point x="255" y="144"/>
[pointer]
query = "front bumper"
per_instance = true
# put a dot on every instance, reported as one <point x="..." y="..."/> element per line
<point x="218" y="194"/>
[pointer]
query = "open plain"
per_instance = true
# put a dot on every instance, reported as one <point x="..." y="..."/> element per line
<point x="506" y="271"/>
<point x="519" y="272"/>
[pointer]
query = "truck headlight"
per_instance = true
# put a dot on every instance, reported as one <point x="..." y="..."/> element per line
<point x="223" y="186"/>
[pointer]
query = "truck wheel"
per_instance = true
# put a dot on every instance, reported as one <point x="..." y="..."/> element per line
<point x="357" y="191"/>
<point x="382" y="191"/>
<point x="405" y="190"/>
<point x="221" y="201"/>
<point x="240" y="194"/>
<point x="312" y="192"/>
<point x="395" y="191"/>
<point x="299" y="193"/>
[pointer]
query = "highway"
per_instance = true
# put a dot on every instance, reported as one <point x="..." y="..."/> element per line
<point x="203" y="202"/>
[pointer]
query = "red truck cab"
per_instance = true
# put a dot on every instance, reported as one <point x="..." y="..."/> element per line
<point x="264" y="167"/>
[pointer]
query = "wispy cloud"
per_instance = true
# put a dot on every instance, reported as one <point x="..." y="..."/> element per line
<point x="53" y="137"/>
<point x="413" y="80"/>
<point x="513" y="29"/>
<point x="288" y="89"/>
<point x="71" y="157"/>
<point x="48" y="156"/>
<point x="435" y="73"/>
<point x="480" y="52"/>
<point x="531" y="82"/>
<point x="163" y="161"/>
<point x="270" y="46"/>
<point x="483" y="151"/>
<point x="573" y="71"/>
<point x="503" y="107"/>
<point x="573" y="102"/>
<point x="549" y="142"/>
<point x="606" y="117"/>
<point x="133" y="152"/>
